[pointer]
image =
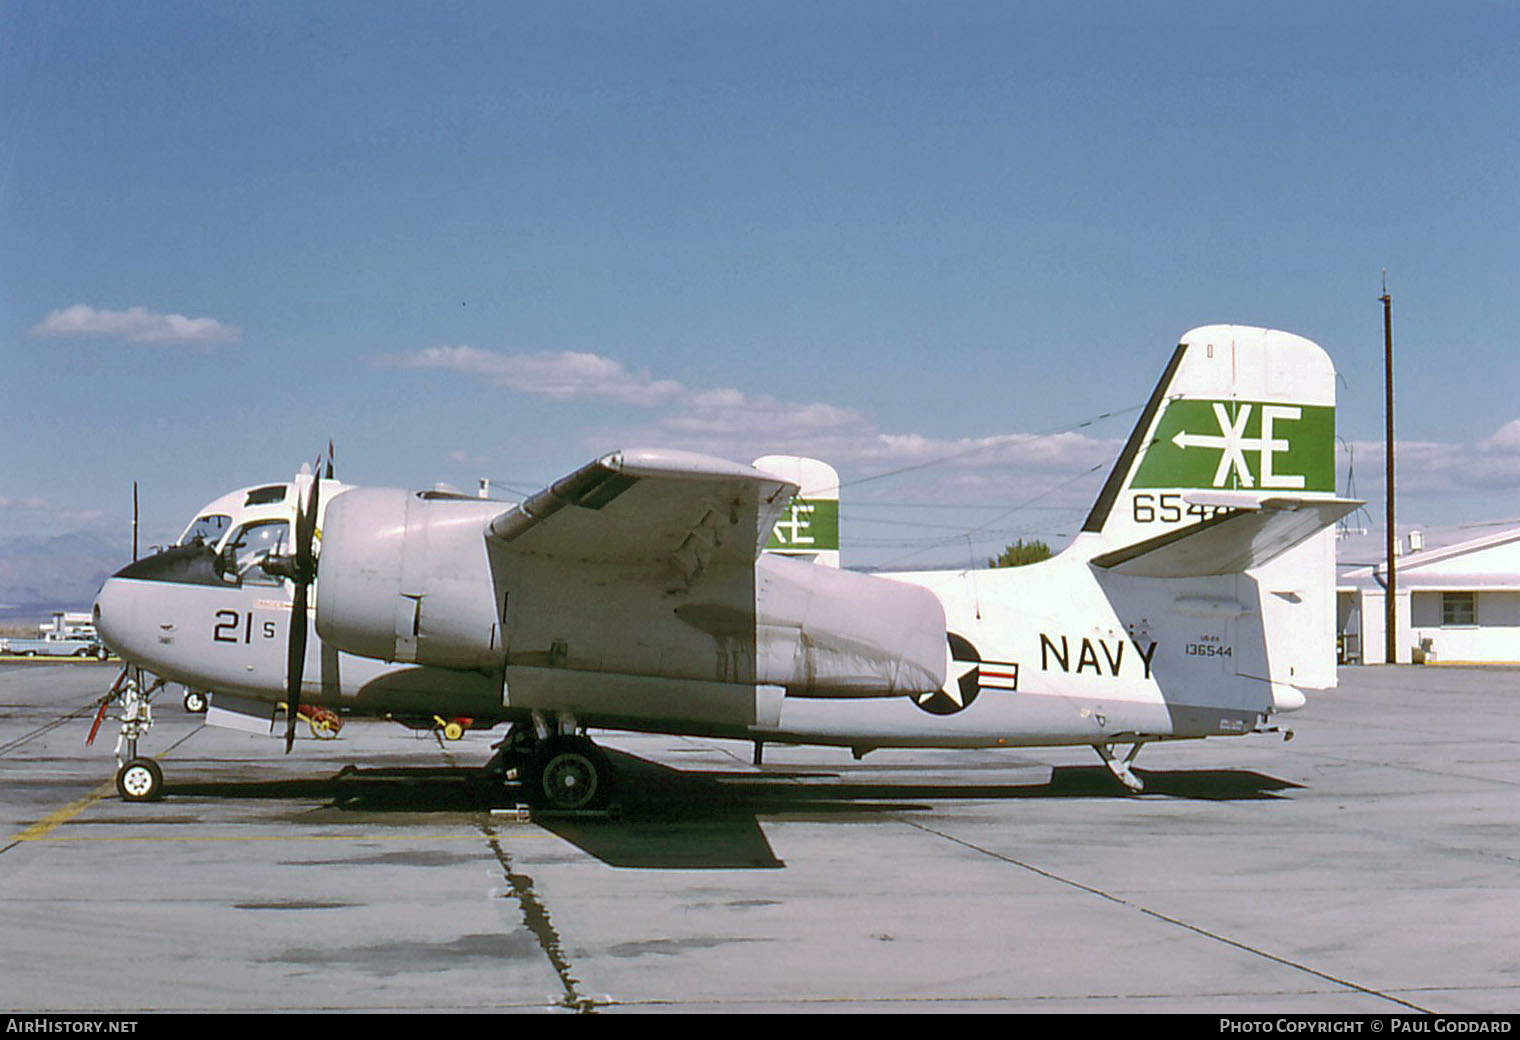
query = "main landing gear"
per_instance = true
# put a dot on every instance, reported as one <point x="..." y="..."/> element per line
<point x="559" y="769"/>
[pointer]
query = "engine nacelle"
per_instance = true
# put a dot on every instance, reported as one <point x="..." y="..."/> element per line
<point x="413" y="577"/>
<point x="824" y="632"/>
<point x="405" y="576"/>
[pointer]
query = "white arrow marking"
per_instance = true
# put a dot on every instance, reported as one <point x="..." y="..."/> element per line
<point x="1234" y="444"/>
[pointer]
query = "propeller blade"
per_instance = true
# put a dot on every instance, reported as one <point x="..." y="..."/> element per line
<point x="329" y="458"/>
<point x="305" y="573"/>
<point x="295" y="663"/>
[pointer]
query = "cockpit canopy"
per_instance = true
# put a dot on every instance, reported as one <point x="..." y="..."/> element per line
<point x="245" y="526"/>
<point x="206" y="529"/>
<point x="212" y="522"/>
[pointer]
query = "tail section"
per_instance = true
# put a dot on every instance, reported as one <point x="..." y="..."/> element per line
<point x="808" y="527"/>
<point x="1241" y="416"/>
<point x="1227" y="487"/>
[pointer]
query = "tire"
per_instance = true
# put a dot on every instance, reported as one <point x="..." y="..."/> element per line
<point x="196" y="702"/>
<point x="140" y="780"/>
<point x="569" y="774"/>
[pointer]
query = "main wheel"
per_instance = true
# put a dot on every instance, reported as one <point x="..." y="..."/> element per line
<point x="195" y="702"/>
<point x="569" y="773"/>
<point x="140" y="780"/>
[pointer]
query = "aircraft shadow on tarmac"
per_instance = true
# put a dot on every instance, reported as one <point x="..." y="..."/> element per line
<point x="665" y="818"/>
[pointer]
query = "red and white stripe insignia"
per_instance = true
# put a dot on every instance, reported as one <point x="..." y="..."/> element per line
<point x="998" y="675"/>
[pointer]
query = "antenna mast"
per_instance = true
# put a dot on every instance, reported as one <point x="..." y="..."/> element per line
<point x="1390" y="612"/>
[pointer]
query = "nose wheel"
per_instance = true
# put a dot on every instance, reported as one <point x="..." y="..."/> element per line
<point x="140" y="780"/>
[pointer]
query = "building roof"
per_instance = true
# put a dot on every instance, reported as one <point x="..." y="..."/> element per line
<point x="1489" y="561"/>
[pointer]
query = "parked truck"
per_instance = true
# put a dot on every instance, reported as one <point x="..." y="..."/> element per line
<point x="67" y="635"/>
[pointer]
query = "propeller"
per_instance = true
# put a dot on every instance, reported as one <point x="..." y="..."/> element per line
<point x="301" y="569"/>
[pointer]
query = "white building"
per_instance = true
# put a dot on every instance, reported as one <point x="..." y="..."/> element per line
<point x="1455" y="604"/>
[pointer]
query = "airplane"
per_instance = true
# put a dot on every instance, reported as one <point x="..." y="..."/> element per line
<point x="661" y="591"/>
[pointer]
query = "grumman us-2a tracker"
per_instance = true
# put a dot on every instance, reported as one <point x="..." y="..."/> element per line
<point x="638" y="593"/>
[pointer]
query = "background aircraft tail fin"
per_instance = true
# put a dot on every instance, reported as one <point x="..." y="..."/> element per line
<point x="809" y="526"/>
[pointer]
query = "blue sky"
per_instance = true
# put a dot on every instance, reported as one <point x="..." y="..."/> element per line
<point x="472" y="239"/>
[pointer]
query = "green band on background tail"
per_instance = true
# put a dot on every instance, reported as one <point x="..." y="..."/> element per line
<point x="1241" y="446"/>
<point x="807" y="526"/>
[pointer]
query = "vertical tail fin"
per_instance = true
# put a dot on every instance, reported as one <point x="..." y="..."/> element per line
<point x="1228" y="483"/>
<point x="1241" y="415"/>
<point x="809" y="526"/>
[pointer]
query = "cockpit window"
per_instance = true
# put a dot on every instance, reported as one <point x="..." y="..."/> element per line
<point x="265" y="495"/>
<point x="206" y="529"/>
<point x="239" y="558"/>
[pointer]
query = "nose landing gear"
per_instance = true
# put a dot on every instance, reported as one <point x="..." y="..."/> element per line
<point x="137" y="779"/>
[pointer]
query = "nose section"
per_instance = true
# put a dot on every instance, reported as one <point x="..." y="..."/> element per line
<point x="112" y="615"/>
<point x="139" y="607"/>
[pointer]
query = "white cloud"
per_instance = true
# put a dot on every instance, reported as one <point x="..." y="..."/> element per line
<point x="558" y="376"/>
<point x="734" y="424"/>
<point x="31" y="514"/>
<point x="469" y="458"/>
<point x="1505" y="441"/>
<point x="1442" y="467"/>
<point x="135" y="325"/>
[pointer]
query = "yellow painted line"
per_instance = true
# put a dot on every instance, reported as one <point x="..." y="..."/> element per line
<point x="51" y="822"/>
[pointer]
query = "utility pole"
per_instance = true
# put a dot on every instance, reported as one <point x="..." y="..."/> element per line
<point x="1390" y="612"/>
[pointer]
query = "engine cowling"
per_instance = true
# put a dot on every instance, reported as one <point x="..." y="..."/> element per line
<point x="405" y="576"/>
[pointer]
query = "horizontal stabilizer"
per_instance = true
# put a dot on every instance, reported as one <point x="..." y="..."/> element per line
<point x="1252" y="534"/>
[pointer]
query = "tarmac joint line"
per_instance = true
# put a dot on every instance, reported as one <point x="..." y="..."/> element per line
<point x="1176" y="922"/>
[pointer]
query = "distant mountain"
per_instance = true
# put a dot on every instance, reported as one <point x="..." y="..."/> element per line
<point x="43" y="573"/>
